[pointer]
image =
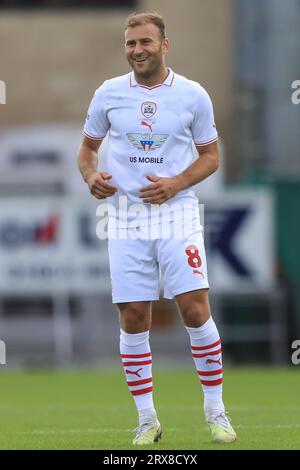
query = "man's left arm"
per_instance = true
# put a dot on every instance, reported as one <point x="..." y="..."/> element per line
<point x="163" y="189"/>
<point x="204" y="166"/>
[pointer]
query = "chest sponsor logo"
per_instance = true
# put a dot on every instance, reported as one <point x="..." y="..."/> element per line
<point x="148" y="109"/>
<point x="147" y="142"/>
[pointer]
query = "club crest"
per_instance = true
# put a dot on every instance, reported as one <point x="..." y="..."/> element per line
<point x="148" y="109"/>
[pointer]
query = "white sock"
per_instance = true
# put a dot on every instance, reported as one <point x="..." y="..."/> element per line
<point x="137" y="362"/>
<point x="207" y="354"/>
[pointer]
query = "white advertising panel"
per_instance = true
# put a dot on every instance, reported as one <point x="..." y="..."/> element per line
<point x="50" y="244"/>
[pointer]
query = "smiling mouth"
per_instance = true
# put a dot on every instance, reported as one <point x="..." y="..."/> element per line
<point x="140" y="61"/>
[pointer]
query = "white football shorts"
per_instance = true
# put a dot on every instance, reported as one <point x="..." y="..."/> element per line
<point x="138" y="266"/>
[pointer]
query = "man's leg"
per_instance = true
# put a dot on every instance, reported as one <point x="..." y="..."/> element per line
<point x="135" y="322"/>
<point x="207" y="354"/>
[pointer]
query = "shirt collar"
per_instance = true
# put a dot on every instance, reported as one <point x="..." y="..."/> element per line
<point x="168" y="81"/>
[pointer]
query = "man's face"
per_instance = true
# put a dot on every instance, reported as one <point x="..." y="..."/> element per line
<point x="145" y="49"/>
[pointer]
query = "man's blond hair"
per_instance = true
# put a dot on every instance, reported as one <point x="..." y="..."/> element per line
<point x="139" y="19"/>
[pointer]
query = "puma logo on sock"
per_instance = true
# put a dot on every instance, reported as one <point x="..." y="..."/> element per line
<point x="212" y="361"/>
<point x="134" y="372"/>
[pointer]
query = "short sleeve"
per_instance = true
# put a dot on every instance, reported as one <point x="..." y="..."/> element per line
<point x="203" y="127"/>
<point x="97" y="124"/>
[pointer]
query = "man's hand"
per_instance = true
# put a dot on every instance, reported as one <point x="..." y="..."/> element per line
<point x="98" y="186"/>
<point x="161" y="190"/>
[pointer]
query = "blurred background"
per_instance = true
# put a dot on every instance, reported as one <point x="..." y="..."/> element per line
<point x="55" y="292"/>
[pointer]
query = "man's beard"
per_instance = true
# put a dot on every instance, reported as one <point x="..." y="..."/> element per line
<point x="144" y="74"/>
<point x="149" y="72"/>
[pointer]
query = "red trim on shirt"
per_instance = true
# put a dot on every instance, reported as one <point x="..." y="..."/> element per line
<point x="207" y="143"/>
<point x="151" y="87"/>
<point x="93" y="138"/>
<point x="155" y="86"/>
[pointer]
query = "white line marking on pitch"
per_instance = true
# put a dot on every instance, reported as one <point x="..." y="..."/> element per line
<point x="267" y="426"/>
<point x="72" y="431"/>
<point x="101" y="431"/>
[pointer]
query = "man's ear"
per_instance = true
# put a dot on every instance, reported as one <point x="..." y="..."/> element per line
<point x="165" y="45"/>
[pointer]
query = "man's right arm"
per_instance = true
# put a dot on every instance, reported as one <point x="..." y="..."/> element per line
<point x="87" y="160"/>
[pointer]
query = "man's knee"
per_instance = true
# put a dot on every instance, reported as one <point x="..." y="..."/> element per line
<point x="194" y="308"/>
<point x="194" y="314"/>
<point x="134" y="317"/>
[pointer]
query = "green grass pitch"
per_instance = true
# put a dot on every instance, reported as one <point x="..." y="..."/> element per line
<point x="93" y="409"/>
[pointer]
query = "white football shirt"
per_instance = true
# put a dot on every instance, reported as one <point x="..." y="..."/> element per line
<point x="151" y="131"/>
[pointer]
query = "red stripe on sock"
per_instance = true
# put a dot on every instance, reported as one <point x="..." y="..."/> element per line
<point x="213" y="353"/>
<point x="211" y="383"/>
<point x="142" y="392"/>
<point x="210" y="372"/>
<point x="209" y="346"/>
<point x="141" y="363"/>
<point x="139" y="382"/>
<point x="135" y="356"/>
